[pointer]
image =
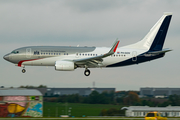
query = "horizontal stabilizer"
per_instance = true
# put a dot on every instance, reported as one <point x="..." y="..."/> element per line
<point x="161" y="51"/>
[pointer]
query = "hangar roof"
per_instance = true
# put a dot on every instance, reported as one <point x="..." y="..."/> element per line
<point x="19" y="92"/>
<point x="148" y="109"/>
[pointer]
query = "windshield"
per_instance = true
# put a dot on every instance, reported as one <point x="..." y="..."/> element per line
<point x="15" y="52"/>
<point x="150" y="115"/>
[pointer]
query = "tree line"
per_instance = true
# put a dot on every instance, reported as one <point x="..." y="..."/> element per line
<point x="128" y="98"/>
<point x="94" y="98"/>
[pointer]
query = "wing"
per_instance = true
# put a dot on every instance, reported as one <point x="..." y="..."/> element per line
<point x="96" y="60"/>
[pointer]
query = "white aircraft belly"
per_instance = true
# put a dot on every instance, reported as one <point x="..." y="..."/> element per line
<point x="113" y="60"/>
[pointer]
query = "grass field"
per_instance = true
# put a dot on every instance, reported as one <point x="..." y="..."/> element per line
<point x="75" y="109"/>
<point x="70" y="119"/>
<point x="79" y="118"/>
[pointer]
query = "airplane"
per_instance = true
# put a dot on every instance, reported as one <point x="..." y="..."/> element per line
<point x="67" y="58"/>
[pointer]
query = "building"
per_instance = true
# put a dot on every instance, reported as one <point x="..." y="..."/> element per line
<point x="159" y="92"/>
<point x="140" y="111"/>
<point x="20" y="103"/>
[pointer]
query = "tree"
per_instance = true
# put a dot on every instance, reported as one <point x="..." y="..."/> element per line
<point x="119" y="100"/>
<point x="75" y="98"/>
<point x="42" y="86"/>
<point x="94" y="97"/>
<point x="103" y="99"/>
<point x="103" y="112"/>
<point x="147" y="103"/>
<point x="30" y="86"/>
<point x="174" y="100"/>
<point x="112" y="112"/>
<point x="22" y="86"/>
<point x="131" y="99"/>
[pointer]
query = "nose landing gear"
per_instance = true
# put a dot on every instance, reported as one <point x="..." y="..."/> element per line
<point x="23" y="70"/>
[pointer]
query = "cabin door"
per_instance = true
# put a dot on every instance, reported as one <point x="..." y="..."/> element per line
<point x="28" y="52"/>
<point x="134" y="56"/>
<point x="77" y="55"/>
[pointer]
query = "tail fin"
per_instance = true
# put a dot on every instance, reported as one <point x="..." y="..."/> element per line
<point x="161" y="34"/>
<point x="154" y="40"/>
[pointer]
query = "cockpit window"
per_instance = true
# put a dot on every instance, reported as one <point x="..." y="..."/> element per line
<point x="15" y="52"/>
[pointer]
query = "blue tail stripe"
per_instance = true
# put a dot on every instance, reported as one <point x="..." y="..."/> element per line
<point x="161" y="35"/>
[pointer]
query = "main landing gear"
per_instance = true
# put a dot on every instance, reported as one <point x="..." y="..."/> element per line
<point x="87" y="72"/>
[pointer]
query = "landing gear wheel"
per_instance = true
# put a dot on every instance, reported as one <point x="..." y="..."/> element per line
<point x="23" y="70"/>
<point x="87" y="72"/>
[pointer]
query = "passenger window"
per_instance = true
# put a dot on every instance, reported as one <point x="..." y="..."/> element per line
<point x="59" y="53"/>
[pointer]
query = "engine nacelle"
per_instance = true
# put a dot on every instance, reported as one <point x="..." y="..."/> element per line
<point x="64" y="66"/>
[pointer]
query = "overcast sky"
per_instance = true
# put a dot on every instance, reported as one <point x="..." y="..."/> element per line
<point x="88" y="23"/>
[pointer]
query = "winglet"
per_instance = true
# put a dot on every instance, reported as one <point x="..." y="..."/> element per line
<point x="114" y="47"/>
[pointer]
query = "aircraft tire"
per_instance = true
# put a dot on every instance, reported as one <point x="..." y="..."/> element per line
<point x="87" y="72"/>
<point x="23" y="70"/>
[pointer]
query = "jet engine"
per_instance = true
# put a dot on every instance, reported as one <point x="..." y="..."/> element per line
<point x="64" y="66"/>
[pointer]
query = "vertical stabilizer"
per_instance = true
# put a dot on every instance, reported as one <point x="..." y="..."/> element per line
<point x="154" y="40"/>
<point x="161" y="34"/>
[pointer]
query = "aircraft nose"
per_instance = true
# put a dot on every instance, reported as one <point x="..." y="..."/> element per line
<point x="6" y="57"/>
